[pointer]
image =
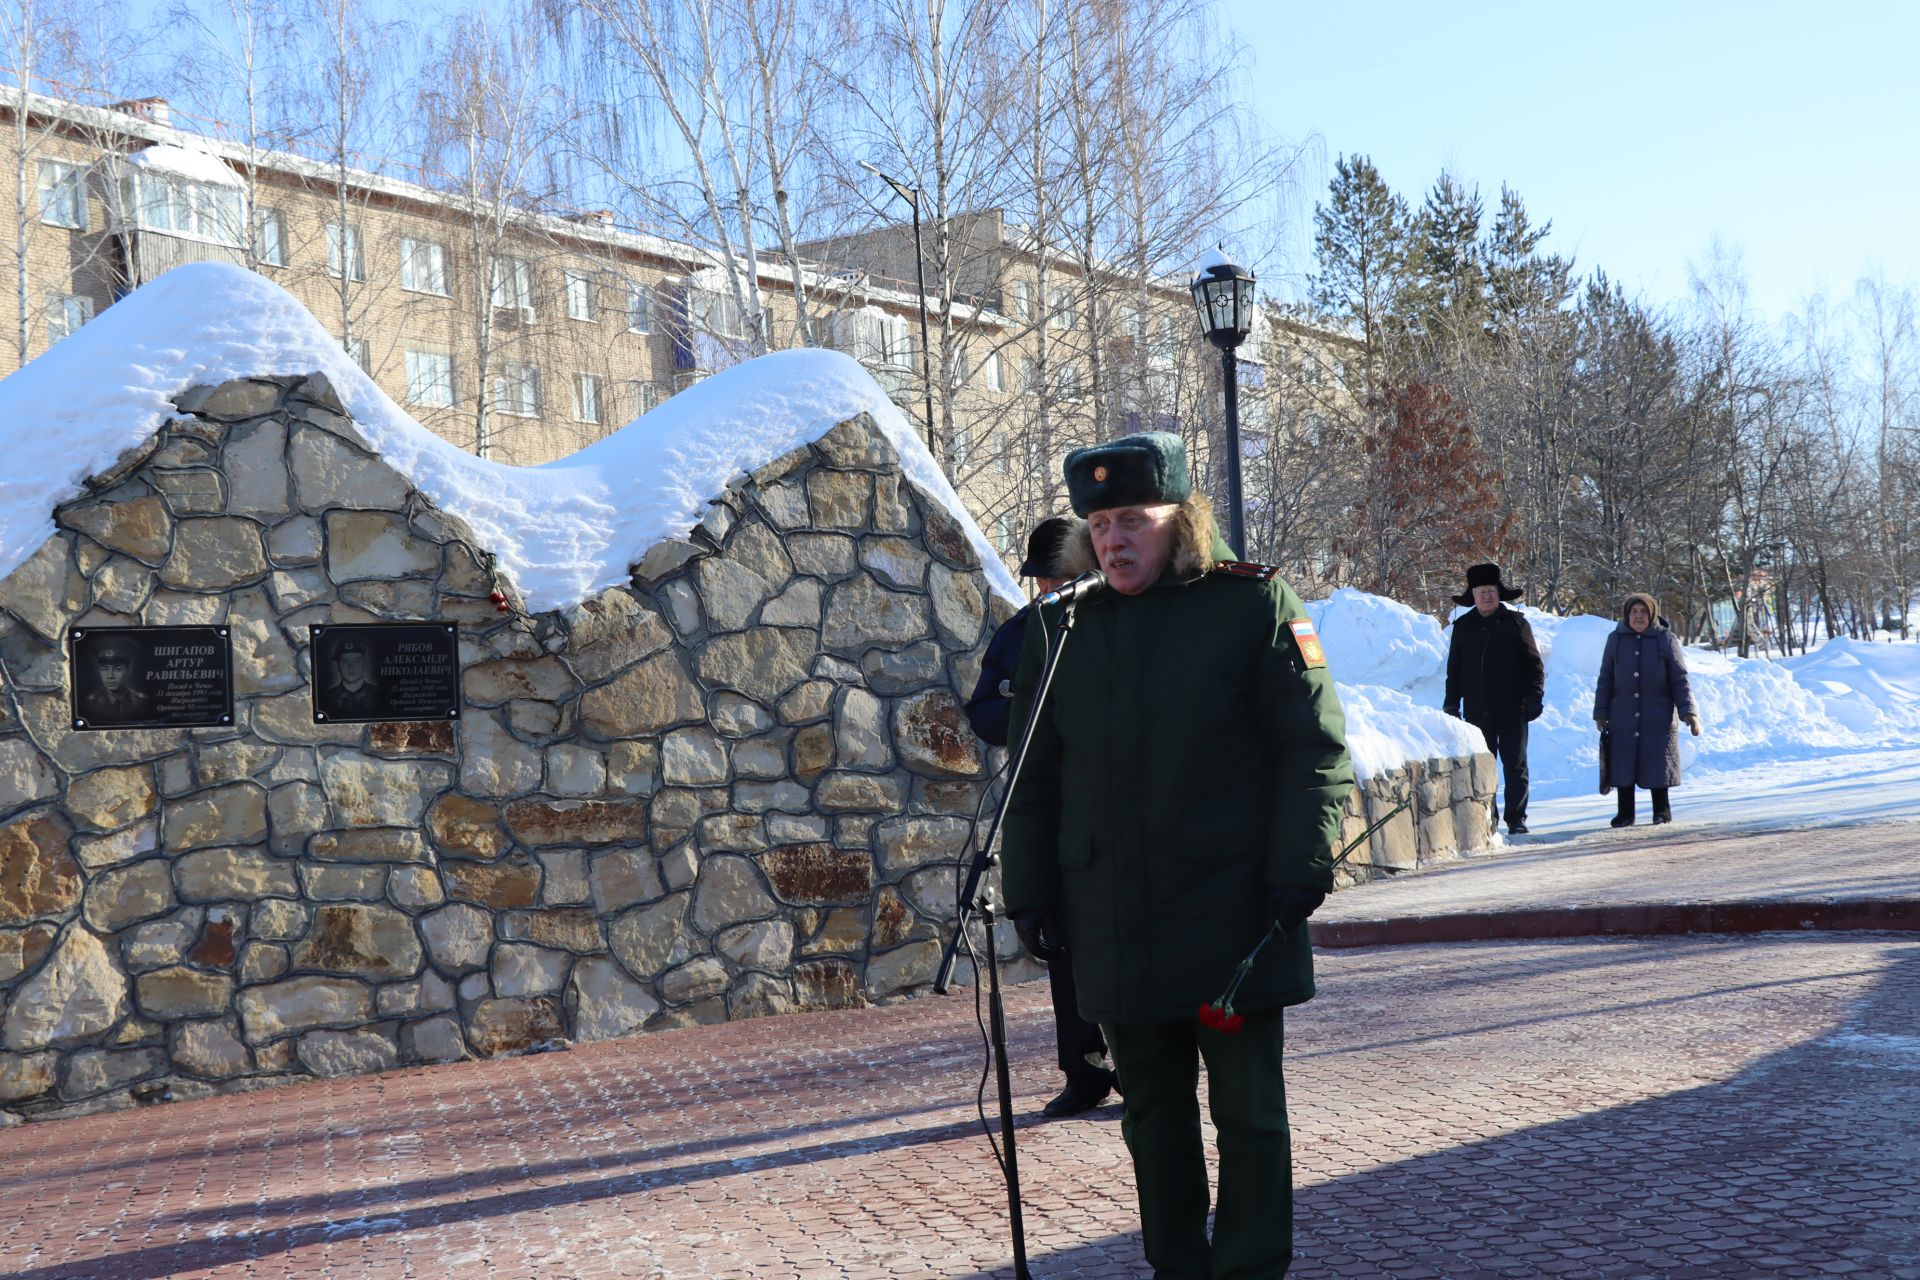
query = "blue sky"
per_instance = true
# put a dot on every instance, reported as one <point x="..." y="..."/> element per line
<point x="1787" y="129"/>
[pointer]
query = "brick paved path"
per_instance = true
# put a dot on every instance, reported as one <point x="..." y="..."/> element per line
<point x="1725" y="1107"/>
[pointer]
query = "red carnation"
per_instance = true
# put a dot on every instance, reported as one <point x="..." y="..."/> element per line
<point x="1222" y="1018"/>
<point x="500" y="601"/>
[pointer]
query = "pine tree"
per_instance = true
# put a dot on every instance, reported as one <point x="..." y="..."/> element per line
<point x="1447" y="303"/>
<point x="1360" y="238"/>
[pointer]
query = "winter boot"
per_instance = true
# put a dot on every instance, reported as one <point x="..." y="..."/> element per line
<point x="1662" y="808"/>
<point x="1624" y="818"/>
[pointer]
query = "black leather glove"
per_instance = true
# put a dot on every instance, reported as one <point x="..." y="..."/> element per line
<point x="1291" y="906"/>
<point x="1040" y="934"/>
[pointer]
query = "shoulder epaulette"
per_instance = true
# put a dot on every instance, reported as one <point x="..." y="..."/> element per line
<point x="1246" y="569"/>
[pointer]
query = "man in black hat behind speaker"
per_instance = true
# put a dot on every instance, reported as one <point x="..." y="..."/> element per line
<point x="1495" y="679"/>
<point x="1053" y="559"/>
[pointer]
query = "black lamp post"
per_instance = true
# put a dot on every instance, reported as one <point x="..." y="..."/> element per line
<point x="912" y="196"/>
<point x="1224" y="295"/>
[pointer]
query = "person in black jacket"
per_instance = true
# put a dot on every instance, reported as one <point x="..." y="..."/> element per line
<point x="1495" y="679"/>
<point x="1082" y="1049"/>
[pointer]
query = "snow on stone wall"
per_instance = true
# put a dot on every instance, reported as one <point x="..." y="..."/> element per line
<point x="732" y="786"/>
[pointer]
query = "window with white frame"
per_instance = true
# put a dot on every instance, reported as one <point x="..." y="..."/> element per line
<point x="423" y="266"/>
<point x="586" y="397"/>
<point x="962" y="442"/>
<point x="639" y="309"/>
<point x="645" y="396"/>
<point x="960" y="370"/>
<point x="270" y="237"/>
<point x="1022" y="300"/>
<point x="63" y="194"/>
<point x="513" y="284"/>
<point x="180" y="206"/>
<point x="1029" y="374"/>
<point x="995" y="380"/>
<point x="516" y="391"/>
<point x="1002" y="455"/>
<point x="1064" y="314"/>
<point x="580" y="300"/>
<point x="712" y="311"/>
<point x="1066" y="379"/>
<point x="358" y="353"/>
<point x="1001" y="537"/>
<point x="430" y="378"/>
<point x="64" y="315"/>
<point x="344" y="257"/>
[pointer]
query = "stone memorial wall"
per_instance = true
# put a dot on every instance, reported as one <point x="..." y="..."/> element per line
<point x="735" y="786"/>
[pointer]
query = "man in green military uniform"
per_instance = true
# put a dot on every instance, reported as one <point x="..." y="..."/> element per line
<point x="1183" y="793"/>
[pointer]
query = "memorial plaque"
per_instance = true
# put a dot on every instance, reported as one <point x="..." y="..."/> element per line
<point x="150" y="677"/>
<point x="385" y="671"/>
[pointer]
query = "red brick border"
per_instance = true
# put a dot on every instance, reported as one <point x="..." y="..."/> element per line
<point x="1880" y="915"/>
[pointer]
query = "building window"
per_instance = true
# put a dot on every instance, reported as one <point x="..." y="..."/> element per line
<point x="1001" y="537"/>
<point x="646" y="396"/>
<point x="960" y="371"/>
<point x="1064" y="315"/>
<point x="962" y="443"/>
<point x="717" y="313"/>
<point x="270" y="237"/>
<point x="1029" y="374"/>
<point x="586" y="397"/>
<point x="64" y="315"/>
<point x="63" y="194"/>
<point x="639" y="309"/>
<point x="516" y="390"/>
<point x="180" y="206"/>
<point x="423" y="266"/>
<point x="996" y="381"/>
<point x="430" y="378"/>
<point x="580" y="299"/>
<point x="513" y="285"/>
<point x="358" y="353"/>
<point x="1002" y="455"/>
<point x="1066" y="379"/>
<point x="343" y="251"/>
<point x="1022" y="300"/>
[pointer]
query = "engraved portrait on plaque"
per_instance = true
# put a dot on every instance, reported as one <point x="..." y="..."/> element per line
<point x="385" y="671"/>
<point x="149" y="677"/>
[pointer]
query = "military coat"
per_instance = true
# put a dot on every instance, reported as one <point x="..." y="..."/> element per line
<point x="1190" y="756"/>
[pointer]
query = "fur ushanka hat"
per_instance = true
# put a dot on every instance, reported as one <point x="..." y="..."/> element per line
<point x="1486" y="575"/>
<point x="1133" y="471"/>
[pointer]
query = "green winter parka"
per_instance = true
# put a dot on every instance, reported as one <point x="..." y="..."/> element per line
<point x="1189" y="757"/>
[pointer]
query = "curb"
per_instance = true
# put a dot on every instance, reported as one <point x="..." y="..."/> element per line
<point x="1880" y="915"/>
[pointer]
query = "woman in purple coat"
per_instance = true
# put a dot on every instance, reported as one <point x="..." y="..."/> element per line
<point x="1642" y="685"/>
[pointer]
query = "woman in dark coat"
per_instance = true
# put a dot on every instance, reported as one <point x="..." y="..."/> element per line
<point x="1642" y="685"/>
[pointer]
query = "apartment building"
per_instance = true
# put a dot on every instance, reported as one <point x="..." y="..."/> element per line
<point x="525" y="337"/>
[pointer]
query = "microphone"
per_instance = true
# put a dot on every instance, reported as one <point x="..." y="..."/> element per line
<point x="1092" y="582"/>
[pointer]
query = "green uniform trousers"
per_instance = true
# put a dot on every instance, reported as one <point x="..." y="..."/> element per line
<point x="1159" y="1068"/>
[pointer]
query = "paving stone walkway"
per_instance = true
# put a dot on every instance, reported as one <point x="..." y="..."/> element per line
<point x="1672" y="1107"/>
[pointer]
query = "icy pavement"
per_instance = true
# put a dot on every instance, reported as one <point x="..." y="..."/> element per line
<point x="1842" y="787"/>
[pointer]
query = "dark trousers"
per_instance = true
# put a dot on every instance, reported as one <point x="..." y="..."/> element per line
<point x="1508" y="740"/>
<point x="1073" y="1034"/>
<point x="1159" y="1063"/>
<point x="1662" y="801"/>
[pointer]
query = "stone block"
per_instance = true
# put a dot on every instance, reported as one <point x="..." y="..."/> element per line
<point x="232" y="875"/>
<point x="860" y="731"/>
<point x="174" y="993"/>
<point x="214" y="553"/>
<point x="909" y="843"/>
<point x="959" y="607"/>
<point x="78" y="993"/>
<point x="370" y="844"/>
<point x="729" y="890"/>
<point x="256" y="466"/>
<point x="348" y="1053"/>
<point x="606" y="1002"/>
<point x="25" y="775"/>
<point x="280" y="920"/>
<point x="127" y="895"/>
<point x="92" y="1072"/>
<point x="434" y="1040"/>
<point x="522" y="970"/>
<point x="509" y="1025"/>
<point x="893" y="972"/>
<point x="827" y="984"/>
<point x="466" y="828"/>
<point x="537" y="823"/>
<point x="503" y="679"/>
<point x="648" y="698"/>
<point x="650" y="938"/>
<point x="138" y="527"/>
<point x="233" y="814"/>
<point x="25" y="1076"/>
<point x="766" y="944"/>
<point x="302" y="1004"/>
<point x="415" y="888"/>
<point x="694" y="980"/>
<point x="22" y="949"/>
<point x="38" y="876"/>
<point x="622" y="877"/>
<point x="763" y="663"/>
<point x="376" y="544"/>
<point x="211" y="1049"/>
<point x="855" y="792"/>
<point x="861" y="612"/>
<point x="933" y="736"/>
<point x="568" y="930"/>
<point x="328" y="472"/>
<point x="509" y="883"/>
<point x="360" y="940"/>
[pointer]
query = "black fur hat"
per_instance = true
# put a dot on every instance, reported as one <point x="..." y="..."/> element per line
<point x="1486" y="575"/>
<point x="1132" y="471"/>
<point x="1047" y="548"/>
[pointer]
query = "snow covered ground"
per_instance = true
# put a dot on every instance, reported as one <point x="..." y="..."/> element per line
<point x="1832" y="735"/>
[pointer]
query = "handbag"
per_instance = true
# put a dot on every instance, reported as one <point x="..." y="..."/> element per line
<point x="1606" y="757"/>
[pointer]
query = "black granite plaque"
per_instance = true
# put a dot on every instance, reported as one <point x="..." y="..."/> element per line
<point x="385" y="671"/>
<point x="149" y="677"/>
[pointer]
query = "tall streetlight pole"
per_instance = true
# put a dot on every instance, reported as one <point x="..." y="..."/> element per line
<point x="912" y="196"/>
<point x="1224" y="295"/>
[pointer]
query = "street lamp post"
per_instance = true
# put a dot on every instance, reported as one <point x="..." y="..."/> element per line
<point x="1224" y="295"/>
<point x="912" y="196"/>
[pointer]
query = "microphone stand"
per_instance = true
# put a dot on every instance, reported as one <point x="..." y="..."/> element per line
<point x="976" y="898"/>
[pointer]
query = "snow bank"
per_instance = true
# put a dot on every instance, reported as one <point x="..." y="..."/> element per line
<point x="562" y="531"/>
<point x="201" y="166"/>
